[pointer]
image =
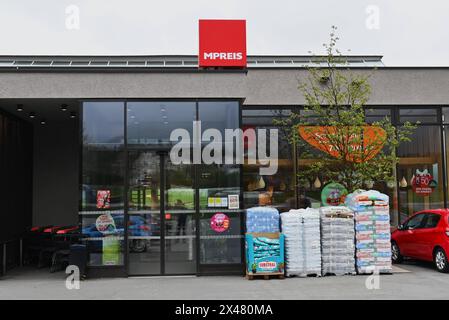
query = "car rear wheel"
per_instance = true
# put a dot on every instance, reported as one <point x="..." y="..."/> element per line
<point x="440" y="260"/>
<point x="396" y="256"/>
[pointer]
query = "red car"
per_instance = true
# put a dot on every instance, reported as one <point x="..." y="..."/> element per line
<point x="423" y="236"/>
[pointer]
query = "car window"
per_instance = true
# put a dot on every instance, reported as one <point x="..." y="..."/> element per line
<point x="416" y="222"/>
<point x="432" y="220"/>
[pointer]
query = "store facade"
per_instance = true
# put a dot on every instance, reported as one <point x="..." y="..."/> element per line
<point x="107" y="165"/>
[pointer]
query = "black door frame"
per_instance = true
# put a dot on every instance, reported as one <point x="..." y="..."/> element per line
<point x="202" y="269"/>
<point x="162" y="158"/>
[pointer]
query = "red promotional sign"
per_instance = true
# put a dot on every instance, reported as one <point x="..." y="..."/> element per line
<point x="423" y="183"/>
<point x="222" y="43"/>
<point x="219" y="222"/>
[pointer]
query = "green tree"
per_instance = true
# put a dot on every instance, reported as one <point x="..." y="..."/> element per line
<point x="331" y="132"/>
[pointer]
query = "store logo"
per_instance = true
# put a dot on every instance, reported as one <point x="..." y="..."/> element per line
<point x="210" y="147"/>
<point x="222" y="43"/>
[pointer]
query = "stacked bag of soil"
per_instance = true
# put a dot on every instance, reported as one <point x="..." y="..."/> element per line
<point x="301" y="229"/>
<point x="372" y="231"/>
<point x="265" y="247"/>
<point x="262" y="219"/>
<point x="337" y="240"/>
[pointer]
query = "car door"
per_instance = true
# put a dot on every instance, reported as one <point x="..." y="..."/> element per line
<point x="407" y="238"/>
<point x="427" y="236"/>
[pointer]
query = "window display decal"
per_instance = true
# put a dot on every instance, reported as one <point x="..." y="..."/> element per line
<point x="103" y="199"/>
<point x="111" y="252"/>
<point x="320" y="137"/>
<point x="211" y="202"/>
<point x="423" y="183"/>
<point x="105" y="224"/>
<point x="333" y="194"/>
<point x="219" y="222"/>
<point x="224" y="202"/>
<point x="218" y="202"/>
<point x="233" y="201"/>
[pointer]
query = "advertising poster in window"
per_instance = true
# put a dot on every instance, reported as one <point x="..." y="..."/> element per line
<point x="233" y="202"/>
<point x="423" y="183"/>
<point x="103" y="199"/>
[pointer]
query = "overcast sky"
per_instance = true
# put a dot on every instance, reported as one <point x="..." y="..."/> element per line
<point x="405" y="32"/>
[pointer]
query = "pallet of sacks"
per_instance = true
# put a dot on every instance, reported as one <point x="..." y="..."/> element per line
<point x="264" y="255"/>
<point x="337" y="240"/>
<point x="301" y="229"/>
<point x="372" y="231"/>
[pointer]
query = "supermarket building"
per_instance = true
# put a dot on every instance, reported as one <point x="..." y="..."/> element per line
<point x="84" y="139"/>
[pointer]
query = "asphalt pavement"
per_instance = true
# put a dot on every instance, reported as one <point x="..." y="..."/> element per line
<point x="411" y="280"/>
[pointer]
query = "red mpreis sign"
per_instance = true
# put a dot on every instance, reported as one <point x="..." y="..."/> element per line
<point x="222" y="43"/>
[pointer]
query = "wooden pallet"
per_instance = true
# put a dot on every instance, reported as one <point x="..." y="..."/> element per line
<point x="331" y="274"/>
<point x="265" y="276"/>
<point x="384" y="273"/>
<point x="303" y="275"/>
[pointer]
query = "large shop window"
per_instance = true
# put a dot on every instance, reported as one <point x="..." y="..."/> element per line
<point x="219" y="192"/>
<point x="150" y="123"/>
<point x="103" y="172"/>
<point x="277" y="190"/>
<point x="420" y="172"/>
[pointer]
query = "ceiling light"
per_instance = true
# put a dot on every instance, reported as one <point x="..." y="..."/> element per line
<point x="43" y="122"/>
<point x="20" y="107"/>
<point x="72" y="115"/>
<point x="32" y="115"/>
<point x="63" y="107"/>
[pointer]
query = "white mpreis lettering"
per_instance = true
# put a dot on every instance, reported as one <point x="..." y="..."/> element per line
<point x="223" y="55"/>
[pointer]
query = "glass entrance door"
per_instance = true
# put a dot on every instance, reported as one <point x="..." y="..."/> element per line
<point x="161" y="215"/>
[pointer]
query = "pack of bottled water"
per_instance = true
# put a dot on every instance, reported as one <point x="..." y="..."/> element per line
<point x="262" y="220"/>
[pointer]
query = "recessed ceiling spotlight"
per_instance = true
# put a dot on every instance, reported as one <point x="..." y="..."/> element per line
<point x="32" y="115"/>
<point x="20" y="107"/>
<point x="64" y="107"/>
<point x="72" y="115"/>
<point x="43" y="121"/>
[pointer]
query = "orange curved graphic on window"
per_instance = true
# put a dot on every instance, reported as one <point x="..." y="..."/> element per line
<point x="353" y="145"/>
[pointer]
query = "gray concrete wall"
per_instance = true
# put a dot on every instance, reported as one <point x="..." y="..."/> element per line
<point x="55" y="173"/>
<point x="391" y="86"/>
